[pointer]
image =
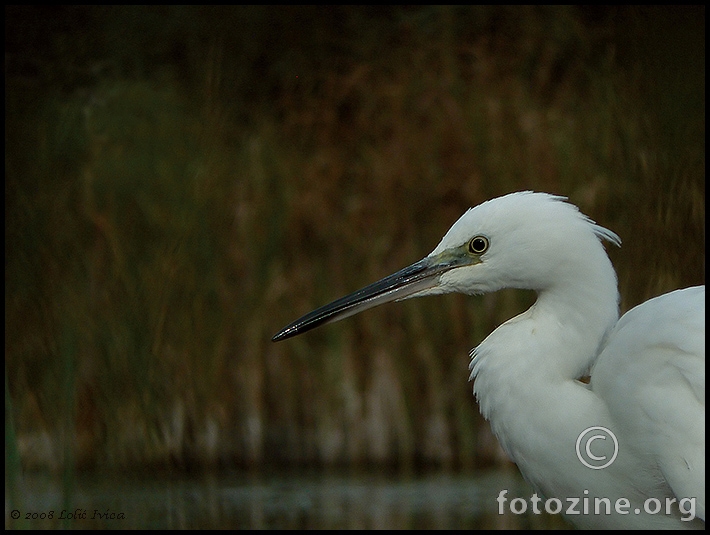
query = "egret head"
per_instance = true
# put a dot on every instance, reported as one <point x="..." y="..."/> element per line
<point x="522" y="240"/>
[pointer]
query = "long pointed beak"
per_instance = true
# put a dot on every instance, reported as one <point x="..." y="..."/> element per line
<point x="420" y="276"/>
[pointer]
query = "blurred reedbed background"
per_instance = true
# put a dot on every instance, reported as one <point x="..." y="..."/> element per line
<point x="182" y="182"/>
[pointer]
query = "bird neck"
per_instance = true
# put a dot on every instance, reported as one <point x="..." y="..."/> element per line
<point x="525" y="375"/>
<point x="535" y="359"/>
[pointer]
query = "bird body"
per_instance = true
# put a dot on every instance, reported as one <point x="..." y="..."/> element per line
<point x="647" y="369"/>
<point x="649" y="398"/>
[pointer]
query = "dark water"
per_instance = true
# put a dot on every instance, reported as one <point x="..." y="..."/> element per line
<point x="275" y="501"/>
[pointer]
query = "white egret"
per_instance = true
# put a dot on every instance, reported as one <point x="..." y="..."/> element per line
<point x="647" y="383"/>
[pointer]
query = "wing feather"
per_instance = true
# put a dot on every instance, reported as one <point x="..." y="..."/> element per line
<point x="651" y="374"/>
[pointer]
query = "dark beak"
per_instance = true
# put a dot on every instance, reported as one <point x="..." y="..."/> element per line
<point x="418" y="277"/>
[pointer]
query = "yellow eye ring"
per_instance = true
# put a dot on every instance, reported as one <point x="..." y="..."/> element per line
<point x="478" y="245"/>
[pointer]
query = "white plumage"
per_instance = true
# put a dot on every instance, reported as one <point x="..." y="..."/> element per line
<point x="647" y="382"/>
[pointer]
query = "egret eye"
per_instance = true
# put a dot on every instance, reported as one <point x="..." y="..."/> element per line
<point x="478" y="245"/>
